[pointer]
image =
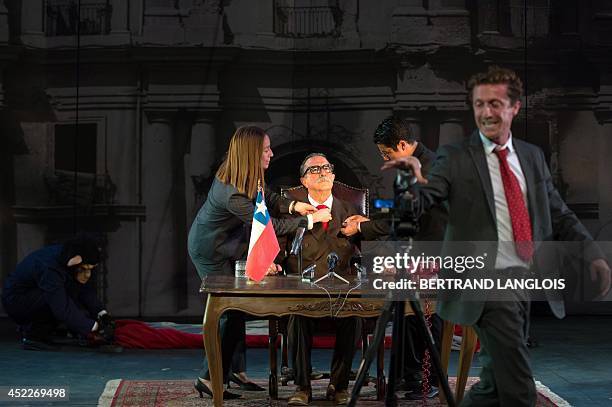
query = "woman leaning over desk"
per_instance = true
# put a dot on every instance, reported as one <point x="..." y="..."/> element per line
<point x="219" y="233"/>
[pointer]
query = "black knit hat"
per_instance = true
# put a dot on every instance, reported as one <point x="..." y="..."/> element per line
<point x="85" y="245"/>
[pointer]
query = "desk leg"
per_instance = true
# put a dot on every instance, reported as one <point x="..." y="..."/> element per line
<point x="468" y="344"/>
<point x="212" y="344"/>
<point x="273" y="378"/>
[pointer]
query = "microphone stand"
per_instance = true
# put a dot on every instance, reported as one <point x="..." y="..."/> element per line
<point x="332" y="274"/>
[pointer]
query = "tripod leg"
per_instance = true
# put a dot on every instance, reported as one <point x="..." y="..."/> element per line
<point x="396" y="352"/>
<point x="364" y="367"/>
<point x="433" y="352"/>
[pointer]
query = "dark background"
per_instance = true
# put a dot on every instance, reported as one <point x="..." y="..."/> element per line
<point x="113" y="113"/>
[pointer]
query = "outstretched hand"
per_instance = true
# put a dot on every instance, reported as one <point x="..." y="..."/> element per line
<point x="350" y="226"/>
<point x="406" y="163"/>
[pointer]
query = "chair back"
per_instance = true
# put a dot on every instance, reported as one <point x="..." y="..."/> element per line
<point x="359" y="197"/>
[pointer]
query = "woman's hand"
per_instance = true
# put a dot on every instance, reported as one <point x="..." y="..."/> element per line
<point x="321" y="215"/>
<point x="274" y="269"/>
<point x="303" y="208"/>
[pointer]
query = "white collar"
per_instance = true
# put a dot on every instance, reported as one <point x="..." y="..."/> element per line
<point x="328" y="201"/>
<point x="490" y="146"/>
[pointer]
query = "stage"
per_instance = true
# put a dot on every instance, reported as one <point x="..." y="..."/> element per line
<point x="573" y="359"/>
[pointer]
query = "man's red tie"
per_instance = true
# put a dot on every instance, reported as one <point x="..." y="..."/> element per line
<point x="519" y="216"/>
<point x="325" y="224"/>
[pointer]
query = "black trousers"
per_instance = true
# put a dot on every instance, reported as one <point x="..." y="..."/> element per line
<point x="32" y="313"/>
<point x="414" y="353"/>
<point x="301" y="330"/>
<point x="506" y="378"/>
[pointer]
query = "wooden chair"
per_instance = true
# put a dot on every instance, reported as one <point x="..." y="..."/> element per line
<point x="468" y="346"/>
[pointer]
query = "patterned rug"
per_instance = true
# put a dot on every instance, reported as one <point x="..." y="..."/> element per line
<point x="158" y="393"/>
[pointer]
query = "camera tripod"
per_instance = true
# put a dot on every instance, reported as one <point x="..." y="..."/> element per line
<point x="396" y="309"/>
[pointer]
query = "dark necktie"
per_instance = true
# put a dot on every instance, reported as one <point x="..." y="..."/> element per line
<point x="325" y="224"/>
<point x="519" y="216"/>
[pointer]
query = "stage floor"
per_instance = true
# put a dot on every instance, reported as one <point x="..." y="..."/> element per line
<point x="574" y="359"/>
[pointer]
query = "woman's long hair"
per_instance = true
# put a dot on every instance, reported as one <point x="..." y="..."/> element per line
<point x="242" y="166"/>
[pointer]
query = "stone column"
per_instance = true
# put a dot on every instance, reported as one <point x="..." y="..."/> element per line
<point x="605" y="169"/>
<point x="416" y="124"/>
<point x="451" y="131"/>
<point x="199" y="162"/>
<point x="119" y="16"/>
<point x="4" y="24"/>
<point x="159" y="232"/>
<point x="32" y="17"/>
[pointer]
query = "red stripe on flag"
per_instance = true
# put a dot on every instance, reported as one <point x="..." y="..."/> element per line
<point x="263" y="254"/>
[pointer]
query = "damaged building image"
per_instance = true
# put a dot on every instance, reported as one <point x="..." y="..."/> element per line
<point x="114" y="114"/>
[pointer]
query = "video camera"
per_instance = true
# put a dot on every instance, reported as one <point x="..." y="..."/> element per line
<point x="407" y="225"/>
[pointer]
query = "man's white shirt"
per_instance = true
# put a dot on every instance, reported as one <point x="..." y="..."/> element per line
<point x="506" y="253"/>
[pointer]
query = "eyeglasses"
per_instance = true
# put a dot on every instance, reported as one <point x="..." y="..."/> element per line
<point x="316" y="169"/>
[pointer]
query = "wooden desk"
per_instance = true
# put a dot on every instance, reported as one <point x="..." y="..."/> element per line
<point x="277" y="296"/>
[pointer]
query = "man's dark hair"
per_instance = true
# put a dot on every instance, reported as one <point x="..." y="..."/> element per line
<point x="497" y="75"/>
<point x="309" y="156"/>
<point x="393" y="129"/>
<point x="85" y="245"/>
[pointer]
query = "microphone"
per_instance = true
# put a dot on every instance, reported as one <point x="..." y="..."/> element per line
<point x="299" y="236"/>
<point x="332" y="261"/>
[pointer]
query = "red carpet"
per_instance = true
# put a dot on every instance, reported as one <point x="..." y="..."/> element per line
<point x="154" y="393"/>
<point x="132" y="334"/>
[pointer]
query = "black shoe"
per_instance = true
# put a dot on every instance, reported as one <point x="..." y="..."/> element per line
<point x="248" y="386"/>
<point x="202" y="388"/>
<point x="31" y="344"/>
<point x="418" y="395"/>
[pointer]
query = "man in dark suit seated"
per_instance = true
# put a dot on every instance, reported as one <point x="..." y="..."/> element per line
<point x="317" y="175"/>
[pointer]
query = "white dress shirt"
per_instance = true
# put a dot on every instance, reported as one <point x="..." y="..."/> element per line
<point x="328" y="203"/>
<point x="506" y="253"/>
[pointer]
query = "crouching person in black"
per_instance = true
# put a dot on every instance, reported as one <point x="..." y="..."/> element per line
<point x="51" y="287"/>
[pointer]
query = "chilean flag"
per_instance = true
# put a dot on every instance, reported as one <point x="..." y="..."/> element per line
<point x="263" y="246"/>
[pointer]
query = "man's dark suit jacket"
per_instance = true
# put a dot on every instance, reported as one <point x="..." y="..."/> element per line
<point x="460" y="176"/>
<point x="432" y="224"/>
<point x="219" y="233"/>
<point x="318" y="243"/>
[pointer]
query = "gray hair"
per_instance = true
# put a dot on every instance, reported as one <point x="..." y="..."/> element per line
<point x="308" y="157"/>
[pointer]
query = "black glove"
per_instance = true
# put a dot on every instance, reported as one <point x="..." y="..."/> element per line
<point x="106" y="327"/>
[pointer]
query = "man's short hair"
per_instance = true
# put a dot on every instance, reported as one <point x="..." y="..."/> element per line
<point x="497" y="75"/>
<point x="308" y="157"/>
<point x="393" y="129"/>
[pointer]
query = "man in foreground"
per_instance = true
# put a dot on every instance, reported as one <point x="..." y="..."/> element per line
<point x="499" y="189"/>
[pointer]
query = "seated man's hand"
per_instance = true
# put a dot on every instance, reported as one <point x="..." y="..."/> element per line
<point x="350" y="226"/>
<point x="274" y="269"/>
<point x="303" y="208"/>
